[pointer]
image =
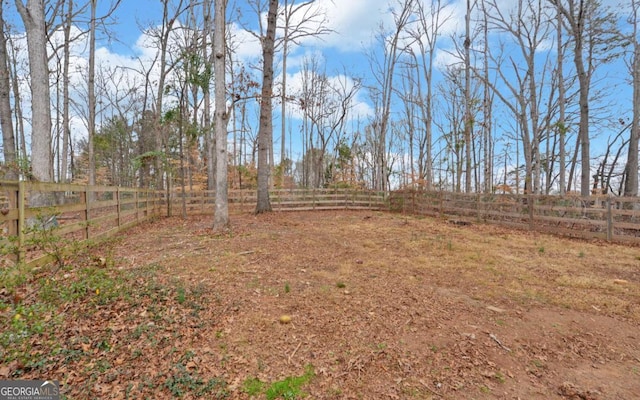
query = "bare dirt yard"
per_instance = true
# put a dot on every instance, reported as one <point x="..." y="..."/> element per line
<point x="340" y="305"/>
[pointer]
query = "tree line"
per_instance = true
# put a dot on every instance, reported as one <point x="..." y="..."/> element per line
<point x="523" y="96"/>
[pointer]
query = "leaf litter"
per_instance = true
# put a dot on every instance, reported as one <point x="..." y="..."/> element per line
<point x="380" y="305"/>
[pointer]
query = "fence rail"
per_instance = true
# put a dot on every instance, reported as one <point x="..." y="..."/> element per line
<point x="81" y="213"/>
<point x="597" y="217"/>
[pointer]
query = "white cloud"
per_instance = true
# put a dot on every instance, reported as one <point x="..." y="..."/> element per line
<point x="245" y="46"/>
<point x="352" y="23"/>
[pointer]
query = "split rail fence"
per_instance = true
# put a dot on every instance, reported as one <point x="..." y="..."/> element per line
<point x="596" y="217"/>
<point x="82" y="213"/>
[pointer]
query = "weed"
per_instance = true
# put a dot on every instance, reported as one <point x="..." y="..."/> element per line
<point x="291" y="387"/>
<point x="24" y="323"/>
<point x="252" y="386"/>
<point x="104" y="345"/>
<point x="538" y="363"/>
<point x="581" y="254"/>
<point x="43" y="234"/>
<point x="381" y="346"/>
<point x="485" y="389"/>
<point x="181" y="297"/>
<point x="103" y="366"/>
<point x="287" y="288"/>
<point x="182" y="382"/>
<point x="500" y="377"/>
<point x="341" y="285"/>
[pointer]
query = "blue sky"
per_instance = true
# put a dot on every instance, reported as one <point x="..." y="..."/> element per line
<point x="354" y="24"/>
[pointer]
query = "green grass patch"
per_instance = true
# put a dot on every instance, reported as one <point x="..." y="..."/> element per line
<point x="290" y="388"/>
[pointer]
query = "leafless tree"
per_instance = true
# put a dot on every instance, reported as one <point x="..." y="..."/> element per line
<point x="529" y="29"/>
<point x="426" y="32"/>
<point x="33" y="17"/>
<point x="591" y="28"/>
<point x="265" y="130"/>
<point x="6" y="124"/>
<point x="221" y="218"/>
<point x="384" y="71"/>
<point x="631" y="170"/>
<point x="299" y="21"/>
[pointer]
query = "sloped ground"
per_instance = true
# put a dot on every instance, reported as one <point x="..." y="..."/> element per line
<point x="382" y="306"/>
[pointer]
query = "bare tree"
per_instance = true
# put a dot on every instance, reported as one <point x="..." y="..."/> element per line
<point x="265" y="130"/>
<point x="529" y="29"/>
<point x="163" y="34"/>
<point x="33" y="17"/>
<point x="392" y="49"/>
<point x="631" y="169"/>
<point x="221" y="218"/>
<point x="561" y="124"/>
<point x="300" y="21"/>
<point x="426" y="33"/>
<point x="6" y="124"/>
<point x="66" y="134"/>
<point x="91" y="89"/>
<point x="468" y="121"/>
<point x="487" y="111"/>
<point x="591" y="28"/>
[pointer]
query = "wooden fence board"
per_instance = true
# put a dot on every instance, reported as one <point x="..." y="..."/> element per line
<point x="595" y="217"/>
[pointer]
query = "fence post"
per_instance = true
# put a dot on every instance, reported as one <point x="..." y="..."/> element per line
<point x="86" y="198"/>
<point x="21" y="218"/>
<point x="118" y="208"/>
<point x="609" y="219"/>
<point x="14" y="224"/>
<point x="135" y="202"/>
<point x="531" y="211"/>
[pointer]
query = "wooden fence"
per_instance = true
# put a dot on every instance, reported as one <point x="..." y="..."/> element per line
<point x="283" y="200"/>
<point x="80" y="213"/>
<point x="608" y="218"/>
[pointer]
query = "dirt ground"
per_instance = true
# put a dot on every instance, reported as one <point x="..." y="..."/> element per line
<point x="381" y="306"/>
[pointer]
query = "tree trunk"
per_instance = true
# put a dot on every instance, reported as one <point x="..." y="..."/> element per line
<point x="468" y="122"/>
<point x="92" y="95"/>
<point x="66" y="132"/>
<point x="33" y="17"/>
<point x="209" y="142"/>
<point x="487" y="115"/>
<point x="561" y="128"/>
<point x="265" y="129"/>
<point x="631" y="170"/>
<point x="6" y="124"/>
<point x="221" y="218"/>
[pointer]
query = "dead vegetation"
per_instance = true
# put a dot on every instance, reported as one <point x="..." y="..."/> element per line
<point x="380" y="306"/>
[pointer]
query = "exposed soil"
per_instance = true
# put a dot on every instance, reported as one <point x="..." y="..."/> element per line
<point x="383" y="306"/>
